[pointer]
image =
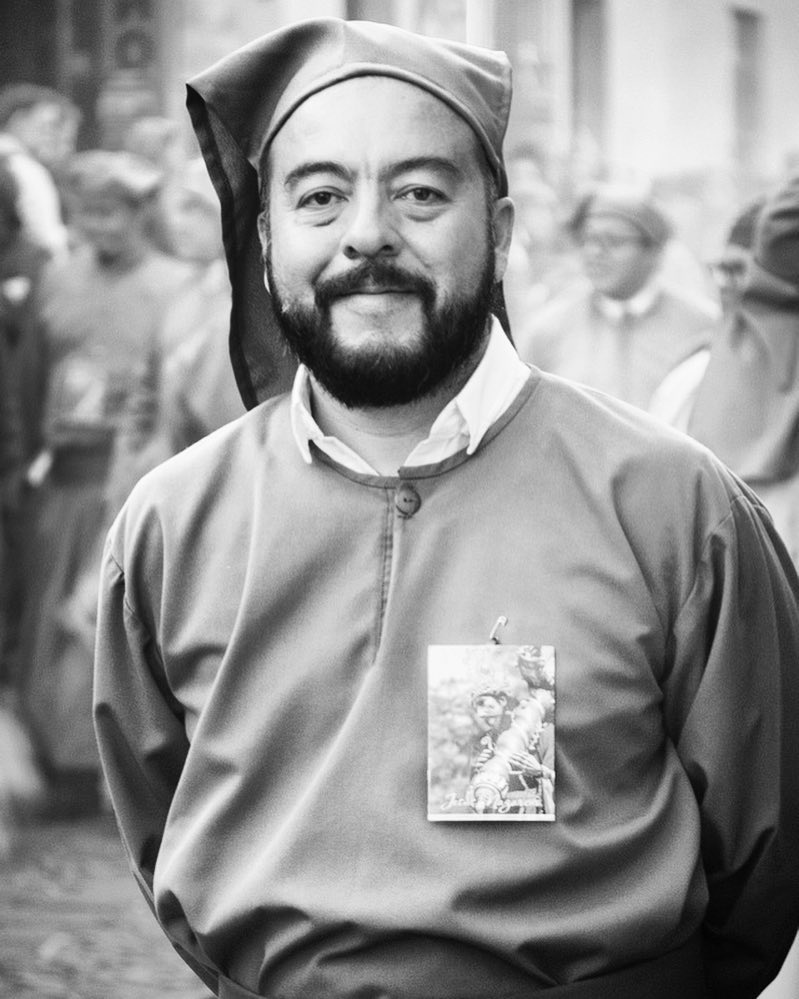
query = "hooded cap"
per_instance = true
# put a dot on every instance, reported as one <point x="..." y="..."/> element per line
<point x="747" y="406"/>
<point x="239" y="105"/>
<point x="624" y="203"/>
<point x="742" y="230"/>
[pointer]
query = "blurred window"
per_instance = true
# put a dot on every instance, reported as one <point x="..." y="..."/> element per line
<point x="748" y="85"/>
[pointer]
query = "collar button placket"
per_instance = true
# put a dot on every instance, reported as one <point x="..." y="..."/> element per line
<point x="407" y="500"/>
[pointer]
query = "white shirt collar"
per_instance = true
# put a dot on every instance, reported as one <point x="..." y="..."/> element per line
<point x="463" y="422"/>
<point x="615" y="309"/>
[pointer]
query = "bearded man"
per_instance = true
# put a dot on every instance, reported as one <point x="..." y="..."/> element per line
<point x="274" y="596"/>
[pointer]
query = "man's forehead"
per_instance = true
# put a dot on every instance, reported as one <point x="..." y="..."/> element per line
<point x="375" y="114"/>
<point x="380" y="95"/>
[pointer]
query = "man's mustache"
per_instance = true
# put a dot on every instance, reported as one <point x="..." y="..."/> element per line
<point x="371" y="275"/>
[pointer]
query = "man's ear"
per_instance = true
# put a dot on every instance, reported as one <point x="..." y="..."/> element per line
<point x="503" y="216"/>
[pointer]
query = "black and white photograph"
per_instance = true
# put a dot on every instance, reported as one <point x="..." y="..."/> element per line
<point x="399" y="499"/>
<point x="491" y="733"/>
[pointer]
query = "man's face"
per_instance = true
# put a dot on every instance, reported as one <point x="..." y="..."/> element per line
<point x="381" y="244"/>
<point x="46" y="130"/>
<point x="488" y="710"/>
<point x="108" y="223"/>
<point x="617" y="258"/>
<point x="730" y="274"/>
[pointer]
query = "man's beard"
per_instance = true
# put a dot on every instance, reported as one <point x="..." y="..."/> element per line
<point x="385" y="373"/>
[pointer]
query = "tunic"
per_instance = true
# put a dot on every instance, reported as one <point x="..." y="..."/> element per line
<point x="629" y="358"/>
<point x="261" y="708"/>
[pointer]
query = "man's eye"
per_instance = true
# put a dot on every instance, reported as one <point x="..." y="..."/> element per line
<point x="422" y="195"/>
<point x="318" y="199"/>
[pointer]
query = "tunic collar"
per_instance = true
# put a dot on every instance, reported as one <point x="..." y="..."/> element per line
<point x="638" y="305"/>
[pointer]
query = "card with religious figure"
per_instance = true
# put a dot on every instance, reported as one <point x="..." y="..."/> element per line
<point x="491" y="733"/>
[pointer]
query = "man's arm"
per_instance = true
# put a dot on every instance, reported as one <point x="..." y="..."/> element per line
<point x="140" y="735"/>
<point x="735" y="730"/>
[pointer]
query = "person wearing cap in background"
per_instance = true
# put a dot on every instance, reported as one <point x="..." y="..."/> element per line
<point x="622" y="330"/>
<point x="160" y="141"/>
<point x="271" y="596"/>
<point x="746" y="408"/>
<point x="542" y="261"/>
<point x="674" y="398"/>
<point x="100" y="311"/>
<point x="731" y="269"/>
<point x="196" y="391"/>
<point x="38" y="134"/>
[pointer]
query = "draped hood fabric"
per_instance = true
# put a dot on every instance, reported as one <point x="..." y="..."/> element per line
<point x="239" y="105"/>
<point x="747" y="407"/>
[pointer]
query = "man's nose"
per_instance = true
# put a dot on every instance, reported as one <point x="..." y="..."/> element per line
<point x="371" y="230"/>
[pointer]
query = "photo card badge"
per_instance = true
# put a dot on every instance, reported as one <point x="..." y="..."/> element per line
<point x="491" y="733"/>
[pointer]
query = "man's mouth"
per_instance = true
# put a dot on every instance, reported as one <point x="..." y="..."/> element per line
<point x="371" y="288"/>
<point x="373" y="300"/>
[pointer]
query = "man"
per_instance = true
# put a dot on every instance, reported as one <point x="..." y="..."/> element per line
<point x="274" y="597"/>
<point x="623" y="330"/>
<point x="100" y="311"/>
<point x="746" y="407"/>
<point x="731" y="269"/>
<point x="198" y="392"/>
<point x="674" y="397"/>
<point x="38" y="132"/>
<point x="542" y="260"/>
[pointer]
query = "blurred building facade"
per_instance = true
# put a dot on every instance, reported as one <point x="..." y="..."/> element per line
<point x="666" y="88"/>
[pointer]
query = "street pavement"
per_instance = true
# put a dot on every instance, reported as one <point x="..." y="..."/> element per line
<point x="73" y="924"/>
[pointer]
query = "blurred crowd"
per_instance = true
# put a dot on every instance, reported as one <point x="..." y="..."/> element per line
<point x="114" y="309"/>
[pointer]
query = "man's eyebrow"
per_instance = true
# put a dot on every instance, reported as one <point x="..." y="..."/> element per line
<point x="441" y="164"/>
<point x="303" y="170"/>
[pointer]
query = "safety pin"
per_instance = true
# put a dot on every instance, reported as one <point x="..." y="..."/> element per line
<point x="500" y="623"/>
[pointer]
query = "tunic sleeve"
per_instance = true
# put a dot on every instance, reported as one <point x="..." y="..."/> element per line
<point x="731" y="704"/>
<point x="142" y="741"/>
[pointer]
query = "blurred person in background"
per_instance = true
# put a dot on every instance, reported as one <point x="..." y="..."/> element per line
<point x="159" y="140"/>
<point x="747" y="405"/>
<point x="622" y="330"/>
<point x="38" y="134"/>
<point x="542" y="260"/>
<point x="193" y="391"/>
<point x="674" y="398"/>
<point x="198" y="390"/>
<point x="20" y="265"/>
<point x="731" y="268"/>
<point x="101" y="309"/>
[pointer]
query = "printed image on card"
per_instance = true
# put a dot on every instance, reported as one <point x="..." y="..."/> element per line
<point x="491" y="733"/>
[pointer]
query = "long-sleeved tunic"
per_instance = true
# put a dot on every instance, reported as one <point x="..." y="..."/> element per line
<point x="261" y="708"/>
